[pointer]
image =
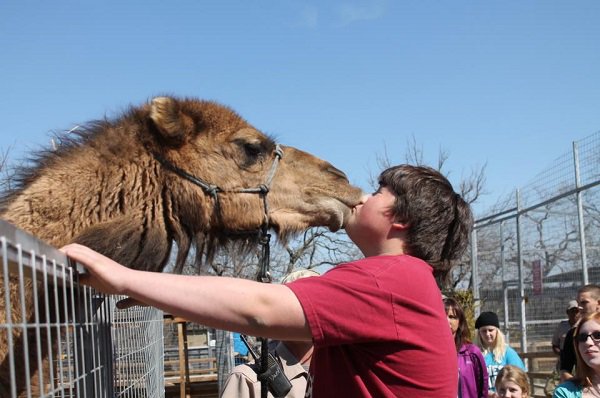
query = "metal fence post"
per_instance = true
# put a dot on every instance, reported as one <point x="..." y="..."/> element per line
<point x="523" y="322"/>
<point x="581" y="224"/>
<point x="474" y="271"/>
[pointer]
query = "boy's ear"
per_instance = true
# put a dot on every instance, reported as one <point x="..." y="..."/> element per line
<point x="400" y="226"/>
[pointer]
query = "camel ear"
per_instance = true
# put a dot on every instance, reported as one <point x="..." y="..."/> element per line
<point x="169" y="119"/>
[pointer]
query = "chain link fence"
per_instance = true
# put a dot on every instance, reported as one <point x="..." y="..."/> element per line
<point x="61" y="339"/>
<point x="529" y="259"/>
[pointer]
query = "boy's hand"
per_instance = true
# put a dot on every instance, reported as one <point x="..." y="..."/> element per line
<point x="104" y="274"/>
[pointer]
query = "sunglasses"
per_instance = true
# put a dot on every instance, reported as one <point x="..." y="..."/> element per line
<point x="582" y="337"/>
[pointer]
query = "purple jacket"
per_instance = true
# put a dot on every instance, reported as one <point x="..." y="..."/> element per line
<point x="473" y="376"/>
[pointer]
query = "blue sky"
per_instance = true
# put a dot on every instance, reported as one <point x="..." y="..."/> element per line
<point x="507" y="83"/>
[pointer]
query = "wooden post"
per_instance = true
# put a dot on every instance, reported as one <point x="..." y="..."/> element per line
<point x="184" y="369"/>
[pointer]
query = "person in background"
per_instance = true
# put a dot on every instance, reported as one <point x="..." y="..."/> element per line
<point x="512" y="382"/>
<point x="558" y="339"/>
<point x="293" y="357"/>
<point x="240" y="351"/>
<point x="496" y="352"/>
<point x="558" y="343"/>
<point x="472" y="371"/>
<point x="586" y="384"/>
<point x="588" y="298"/>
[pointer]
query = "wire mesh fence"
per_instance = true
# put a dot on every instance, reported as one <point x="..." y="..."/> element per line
<point x="61" y="339"/>
<point x="529" y="260"/>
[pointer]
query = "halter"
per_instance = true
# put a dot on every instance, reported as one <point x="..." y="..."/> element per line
<point x="213" y="190"/>
<point x="264" y="238"/>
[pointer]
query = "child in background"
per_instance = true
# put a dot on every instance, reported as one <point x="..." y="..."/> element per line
<point x="512" y="382"/>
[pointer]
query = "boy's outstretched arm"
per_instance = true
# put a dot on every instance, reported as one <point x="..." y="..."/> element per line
<point x="257" y="309"/>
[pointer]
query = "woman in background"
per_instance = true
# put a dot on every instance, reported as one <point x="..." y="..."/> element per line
<point x="493" y="345"/>
<point x="473" y="377"/>
<point x="586" y="383"/>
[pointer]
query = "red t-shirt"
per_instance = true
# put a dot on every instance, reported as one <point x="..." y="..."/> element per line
<point x="379" y="330"/>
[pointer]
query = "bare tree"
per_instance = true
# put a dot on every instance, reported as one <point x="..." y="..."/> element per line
<point x="316" y="248"/>
<point x="471" y="187"/>
<point x="5" y="174"/>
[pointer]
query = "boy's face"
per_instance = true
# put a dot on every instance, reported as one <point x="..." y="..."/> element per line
<point x="370" y="222"/>
<point x="588" y="303"/>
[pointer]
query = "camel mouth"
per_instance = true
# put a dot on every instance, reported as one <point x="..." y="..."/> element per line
<point x="339" y="211"/>
<point x="342" y="219"/>
<point x="330" y="213"/>
<point x="348" y="208"/>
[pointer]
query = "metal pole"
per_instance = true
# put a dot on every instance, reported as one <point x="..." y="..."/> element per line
<point x="475" y="271"/>
<point x="506" y="309"/>
<point x="584" y="268"/>
<point x="502" y="250"/>
<point x="504" y="283"/>
<point x="521" y="285"/>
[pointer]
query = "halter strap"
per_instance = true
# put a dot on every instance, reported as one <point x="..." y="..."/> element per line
<point x="213" y="190"/>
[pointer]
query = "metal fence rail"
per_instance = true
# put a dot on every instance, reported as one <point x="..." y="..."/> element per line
<point x="529" y="259"/>
<point x="61" y="339"/>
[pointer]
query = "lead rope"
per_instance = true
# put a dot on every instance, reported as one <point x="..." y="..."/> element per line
<point x="264" y="277"/>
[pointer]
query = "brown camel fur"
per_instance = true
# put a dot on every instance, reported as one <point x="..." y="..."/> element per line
<point x="110" y="187"/>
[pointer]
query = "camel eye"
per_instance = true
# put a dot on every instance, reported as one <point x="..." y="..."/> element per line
<point x="252" y="150"/>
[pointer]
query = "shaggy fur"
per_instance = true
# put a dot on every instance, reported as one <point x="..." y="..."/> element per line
<point x="104" y="187"/>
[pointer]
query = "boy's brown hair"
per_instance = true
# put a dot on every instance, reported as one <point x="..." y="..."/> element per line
<point x="439" y="220"/>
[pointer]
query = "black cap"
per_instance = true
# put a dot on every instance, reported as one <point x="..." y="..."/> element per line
<point x="487" y="319"/>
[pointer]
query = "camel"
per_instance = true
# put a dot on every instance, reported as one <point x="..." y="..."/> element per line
<point x="177" y="172"/>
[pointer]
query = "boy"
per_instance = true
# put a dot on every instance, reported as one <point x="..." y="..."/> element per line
<point x="378" y="324"/>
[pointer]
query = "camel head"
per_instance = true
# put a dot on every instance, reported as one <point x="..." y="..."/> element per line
<point x="131" y="186"/>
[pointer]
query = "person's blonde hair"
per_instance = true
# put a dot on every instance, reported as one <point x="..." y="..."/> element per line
<point x="583" y="372"/>
<point x="498" y="348"/>
<point x="516" y="375"/>
<point x="299" y="274"/>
